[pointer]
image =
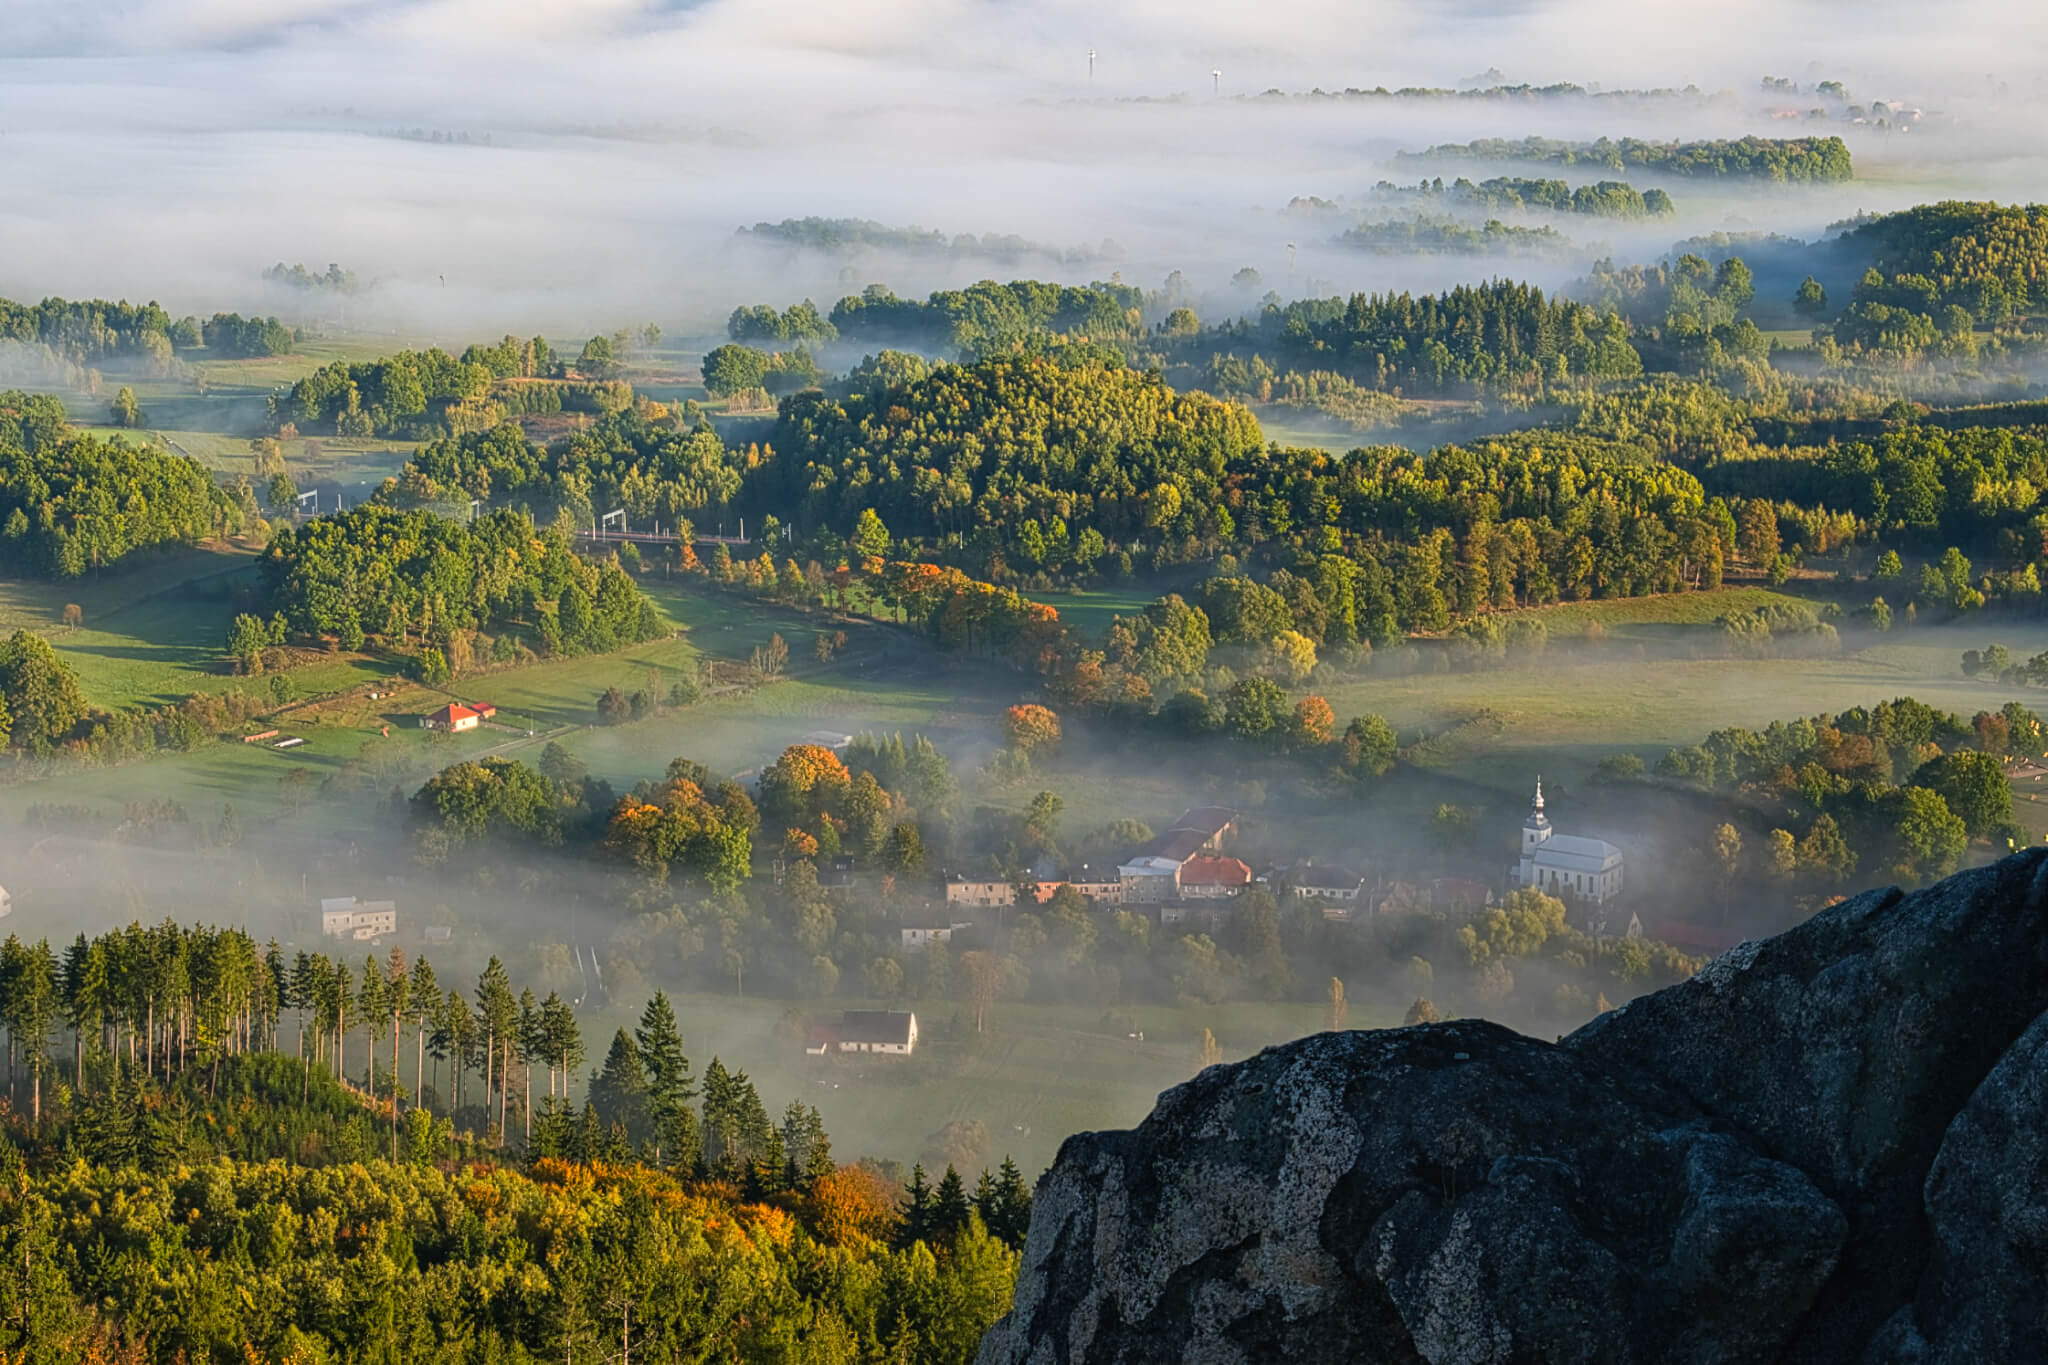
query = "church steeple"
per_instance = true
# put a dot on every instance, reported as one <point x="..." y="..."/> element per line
<point x="1536" y="828"/>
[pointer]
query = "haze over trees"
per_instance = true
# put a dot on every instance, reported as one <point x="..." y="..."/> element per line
<point x="1805" y="159"/>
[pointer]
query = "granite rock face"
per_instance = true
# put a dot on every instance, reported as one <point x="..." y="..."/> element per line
<point x="1829" y="1146"/>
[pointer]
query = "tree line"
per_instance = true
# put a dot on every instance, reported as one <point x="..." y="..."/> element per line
<point x="432" y="394"/>
<point x="1815" y="160"/>
<point x="1606" y="199"/>
<point x="1900" y="788"/>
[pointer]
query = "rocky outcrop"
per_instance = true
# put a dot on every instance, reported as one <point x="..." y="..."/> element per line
<point x="1829" y="1146"/>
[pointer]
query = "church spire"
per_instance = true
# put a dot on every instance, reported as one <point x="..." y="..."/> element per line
<point x="1537" y="827"/>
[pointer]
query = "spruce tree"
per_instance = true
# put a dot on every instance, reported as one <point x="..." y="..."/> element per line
<point x="917" y="1210"/>
<point x="669" y="1088"/>
<point x="949" y="1208"/>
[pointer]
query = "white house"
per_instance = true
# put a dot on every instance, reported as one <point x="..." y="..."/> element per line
<point x="1565" y="864"/>
<point x="347" y="917"/>
<point x="1332" y="882"/>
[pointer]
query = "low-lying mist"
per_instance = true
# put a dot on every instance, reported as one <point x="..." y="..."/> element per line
<point x="569" y="167"/>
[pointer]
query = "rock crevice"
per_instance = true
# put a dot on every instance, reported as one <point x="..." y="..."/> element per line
<point x="1829" y="1146"/>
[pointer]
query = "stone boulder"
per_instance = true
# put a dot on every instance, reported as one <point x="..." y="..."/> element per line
<point x="1828" y="1146"/>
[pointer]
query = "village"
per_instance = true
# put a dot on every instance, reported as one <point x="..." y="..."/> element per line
<point x="1188" y="876"/>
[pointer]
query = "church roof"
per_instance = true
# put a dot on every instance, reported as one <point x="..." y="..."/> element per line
<point x="1571" y="853"/>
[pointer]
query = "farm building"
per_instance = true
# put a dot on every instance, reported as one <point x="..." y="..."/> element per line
<point x="1214" y="823"/>
<point x="887" y="1031"/>
<point x="454" y="718"/>
<point x="1153" y="873"/>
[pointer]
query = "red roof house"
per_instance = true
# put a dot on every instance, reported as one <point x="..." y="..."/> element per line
<point x="454" y="718"/>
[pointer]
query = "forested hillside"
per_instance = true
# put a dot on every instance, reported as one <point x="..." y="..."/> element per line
<point x="375" y="570"/>
<point x="186" y="1186"/>
<point x="71" y="503"/>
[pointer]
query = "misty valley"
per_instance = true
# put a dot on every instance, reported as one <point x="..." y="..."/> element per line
<point x="632" y="717"/>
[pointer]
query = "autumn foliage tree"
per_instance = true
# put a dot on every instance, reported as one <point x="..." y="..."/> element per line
<point x="1030" y="727"/>
<point x="808" y="780"/>
<point x="1314" y="722"/>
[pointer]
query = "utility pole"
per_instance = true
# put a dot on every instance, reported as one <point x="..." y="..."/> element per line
<point x="1091" y="66"/>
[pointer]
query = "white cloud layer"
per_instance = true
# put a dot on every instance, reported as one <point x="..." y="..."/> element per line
<point x="175" y="147"/>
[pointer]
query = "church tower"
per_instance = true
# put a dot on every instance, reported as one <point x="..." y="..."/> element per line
<point x="1536" y="828"/>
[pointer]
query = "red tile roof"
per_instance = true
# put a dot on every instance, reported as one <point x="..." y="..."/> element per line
<point x="452" y="712"/>
<point x="1215" y="872"/>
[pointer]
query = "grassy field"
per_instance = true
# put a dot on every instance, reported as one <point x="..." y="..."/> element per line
<point x="1040" y="1073"/>
<point x="1566" y="710"/>
<point x="1089" y="609"/>
<point x="1667" y="609"/>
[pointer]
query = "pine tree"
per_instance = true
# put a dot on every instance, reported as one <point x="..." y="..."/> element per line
<point x="497" y="1014"/>
<point x="426" y="1002"/>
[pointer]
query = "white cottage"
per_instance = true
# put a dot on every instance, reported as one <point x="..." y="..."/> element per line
<point x="1565" y="864"/>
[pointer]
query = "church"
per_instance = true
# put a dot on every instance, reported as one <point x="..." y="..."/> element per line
<point x="1564" y="864"/>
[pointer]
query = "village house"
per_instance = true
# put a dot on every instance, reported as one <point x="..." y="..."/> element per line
<point x="1151" y="875"/>
<point x="1565" y="864"/>
<point x="1103" y="887"/>
<point x="1213" y="878"/>
<point x="919" y="936"/>
<point x="454" y="718"/>
<point x="348" y="917"/>
<point x="892" y="1032"/>
<point x="1150" y="878"/>
<point x="980" y="892"/>
<point x="1331" y="883"/>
